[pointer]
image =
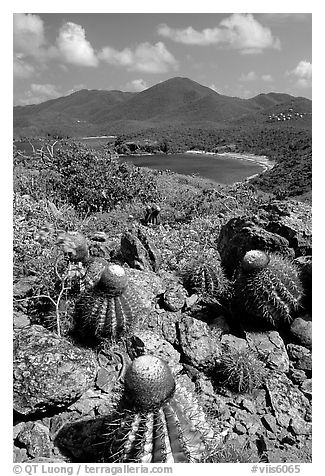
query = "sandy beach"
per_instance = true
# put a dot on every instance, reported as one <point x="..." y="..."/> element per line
<point x="262" y="160"/>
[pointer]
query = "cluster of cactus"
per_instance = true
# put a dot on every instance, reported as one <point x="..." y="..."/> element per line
<point x="152" y="215"/>
<point x="159" y="421"/>
<point x="108" y="308"/>
<point x="240" y="370"/>
<point x="206" y="278"/>
<point x="267" y="288"/>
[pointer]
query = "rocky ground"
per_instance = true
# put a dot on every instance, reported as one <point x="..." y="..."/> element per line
<point x="63" y="392"/>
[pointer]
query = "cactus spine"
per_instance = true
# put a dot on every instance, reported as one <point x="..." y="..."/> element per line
<point x="268" y="288"/>
<point x="159" y="422"/>
<point x="109" y="308"/>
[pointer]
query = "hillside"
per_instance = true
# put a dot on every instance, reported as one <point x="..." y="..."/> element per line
<point x="178" y="101"/>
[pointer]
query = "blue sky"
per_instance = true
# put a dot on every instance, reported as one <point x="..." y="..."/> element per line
<point x="236" y="54"/>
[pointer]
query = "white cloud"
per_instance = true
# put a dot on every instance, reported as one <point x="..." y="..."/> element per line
<point x="145" y="57"/>
<point x="267" y="77"/>
<point x="28" y="33"/>
<point x="303" y="74"/>
<point x="73" y="46"/>
<point x="136" y="85"/>
<point x="39" y="93"/>
<point x="238" y="31"/>
<point x="22" y="69"/>
<point x="251" y="76"/>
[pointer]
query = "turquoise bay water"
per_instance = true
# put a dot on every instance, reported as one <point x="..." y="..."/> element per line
<point x="224" y="170"/>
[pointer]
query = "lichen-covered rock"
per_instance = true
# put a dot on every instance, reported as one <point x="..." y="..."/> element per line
<point x="288" y="403"/>
<point x="24" y="287"/>
<point x="240" y="235"/>
<point x="292" y="220"/>
<point x="147" y="285"/>
<point x="301" y="330"/>
<point x="139" y="252"/>
<point x="36" y="439"/>
<point x="174" y="298"/>
<point x="233" y="343"/>
<point x="20" y="320"/>
<point x="148" y="343"/>
<point x="49" y="372"/>
<point x="199" y="346"/>
<point x="271" y="349"/>
<point x="300" y="356"/>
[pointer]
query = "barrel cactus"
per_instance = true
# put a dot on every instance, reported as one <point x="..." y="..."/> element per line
<point x="267" y="288"/>
<point x="159" y="421"/>
<point x="205" y="277"/>
<point x="240" y="370"/>
<point x="109" y="309"/>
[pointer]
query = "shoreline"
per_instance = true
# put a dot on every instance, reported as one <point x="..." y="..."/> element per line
<point x="261" y="160"/>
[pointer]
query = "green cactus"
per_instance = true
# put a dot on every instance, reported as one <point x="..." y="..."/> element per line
<point x="108" y="308"/>
<point x="240" y="370"/>
<point x="205" y="277"/>
<point x="267" y="288"/>
<point x="159" y="421"/>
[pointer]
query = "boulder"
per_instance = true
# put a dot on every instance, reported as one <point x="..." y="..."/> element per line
<point x="24" y="287"/>
<point x="148" y="286"/>
<point x="300" y="356"/>
<point x="146" y="342"/>
<point x="304" y="265"/>
<point x="240" y="235"/>
<point x="49" y="372"/>
<point x="293" y="221"/>
<point x="288" y="403"/>
<point x="139" y="252"/>
<point x="271" y="349"/>
<point x="198" y="345"/>
<point x="36" y="439"/>
<point x="301" y="331"/>
<point x="175" y="297"/>
<point x="234" y="343"/>
<point x="20" y="320"/>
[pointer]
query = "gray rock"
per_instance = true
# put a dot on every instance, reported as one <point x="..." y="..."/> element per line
<point x="304" y="264"/>
<point x="199" y="346"/>
<point x="20" y="455"/>
<point x="148" y="286"/>
<point x="300" y="427"/>
<point x="234" y="343"/>
<point x="146" y="342"/>
<point x="35" y="438"/>
<point x="269" y="422"/>
<point x="20" y="320"/>
<point x="139" y="252"/>
<point x="287" y="401"/>
<point x="301" y="357"/>
<point x="240" y="235"/>
<point x="49" y="372"/>
<point x="301" y="330"/>
<point x="298" y="376"/>
<point x="306" y="387"/>
<point x="174" y="298"/>
<point x="271" y="348"/>
<point x="220" y="325"/>
<point x="24" y="287"/>
<point x="292" y="220"/>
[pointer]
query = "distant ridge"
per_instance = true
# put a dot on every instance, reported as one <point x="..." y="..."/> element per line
<point x="177" y="101"/>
